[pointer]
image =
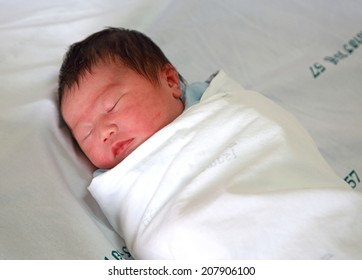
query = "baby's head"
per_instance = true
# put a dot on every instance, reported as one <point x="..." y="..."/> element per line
<point x="116" y="89"/>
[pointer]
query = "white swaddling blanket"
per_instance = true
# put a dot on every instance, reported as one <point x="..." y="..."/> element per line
<point x="234" y="177"/>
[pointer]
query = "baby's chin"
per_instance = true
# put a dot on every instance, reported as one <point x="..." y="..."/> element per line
<point x="108" y="165"/>
<point x="105" y="164"/>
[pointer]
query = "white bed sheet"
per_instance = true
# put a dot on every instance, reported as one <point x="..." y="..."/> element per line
<point x="278" y="48"/>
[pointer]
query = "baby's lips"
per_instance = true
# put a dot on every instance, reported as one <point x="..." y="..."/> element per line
<point x="120" y="146"/>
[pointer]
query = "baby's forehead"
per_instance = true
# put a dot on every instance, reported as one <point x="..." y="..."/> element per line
<point x="97" y="76"/>
<point x="99" y="72"/>
<point x="93" y="80"/>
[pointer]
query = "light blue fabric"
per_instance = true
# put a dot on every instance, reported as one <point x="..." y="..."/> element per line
<point x="193" y="93"/>
<point x="99" y="172"/>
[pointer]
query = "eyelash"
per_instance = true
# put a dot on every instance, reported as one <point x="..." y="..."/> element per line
<point x="114" y="106"/>
<point x="108" y="111"/>
<point x="88" y="134"/>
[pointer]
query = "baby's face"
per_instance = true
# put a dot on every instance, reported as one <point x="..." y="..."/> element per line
<point x="114" y="110"/>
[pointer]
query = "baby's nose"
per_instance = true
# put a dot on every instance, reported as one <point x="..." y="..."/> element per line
<point x="107" y="132"/>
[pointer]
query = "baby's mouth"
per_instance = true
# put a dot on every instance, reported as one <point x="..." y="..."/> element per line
<point x="121" y="146"/>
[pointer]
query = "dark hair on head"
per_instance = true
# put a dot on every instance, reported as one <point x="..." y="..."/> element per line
<point x="130" y="47"/>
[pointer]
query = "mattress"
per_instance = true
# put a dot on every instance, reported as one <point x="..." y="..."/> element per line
<point x="304" y="55"/>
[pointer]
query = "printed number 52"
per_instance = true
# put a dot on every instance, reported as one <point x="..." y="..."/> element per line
<point x="352" y="179"/>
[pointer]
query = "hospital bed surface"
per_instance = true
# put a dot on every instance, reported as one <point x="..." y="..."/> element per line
<point x="306" y="56"/>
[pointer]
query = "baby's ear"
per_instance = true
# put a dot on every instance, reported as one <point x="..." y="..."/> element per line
<point x="172" y="78"/>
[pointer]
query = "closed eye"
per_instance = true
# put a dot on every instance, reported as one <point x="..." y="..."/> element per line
<point x="114" y="106"/>
<point x="87" y="135"/>
<point x="111" y="109"/>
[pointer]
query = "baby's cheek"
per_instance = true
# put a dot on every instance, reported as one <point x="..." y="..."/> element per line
<point x="147" y="129"/>
<point x="99" y="158"/>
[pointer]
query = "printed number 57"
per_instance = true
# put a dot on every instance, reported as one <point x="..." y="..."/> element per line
<point x="317" y="69"/>
<point x="352" y="179"/>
